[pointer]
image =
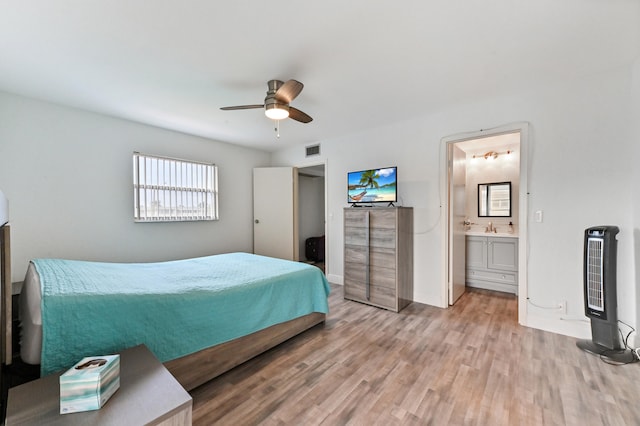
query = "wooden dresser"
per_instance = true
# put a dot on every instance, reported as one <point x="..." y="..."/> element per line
<point x="378" y="256"/>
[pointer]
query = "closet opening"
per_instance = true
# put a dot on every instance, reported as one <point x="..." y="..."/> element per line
<point x="312" y="215"/>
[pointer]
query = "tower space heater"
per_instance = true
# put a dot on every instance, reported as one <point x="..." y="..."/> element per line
<point x="600" y="295"/>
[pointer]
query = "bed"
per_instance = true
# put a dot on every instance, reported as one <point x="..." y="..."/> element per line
<point x="200" y="317"/>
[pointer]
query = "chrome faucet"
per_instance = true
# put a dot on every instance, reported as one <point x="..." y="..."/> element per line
<point x="491" y="228"/>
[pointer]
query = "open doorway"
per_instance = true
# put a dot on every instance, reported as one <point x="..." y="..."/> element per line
<point x="486" y="250"/>
<point x="311" y="215"/>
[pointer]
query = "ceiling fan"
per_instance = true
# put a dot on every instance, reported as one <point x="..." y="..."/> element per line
<point x="276" y="104"/>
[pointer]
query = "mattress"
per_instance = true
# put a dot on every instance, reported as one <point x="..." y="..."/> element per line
<point x="71" y="309"/>
<point x="30" y="317"/>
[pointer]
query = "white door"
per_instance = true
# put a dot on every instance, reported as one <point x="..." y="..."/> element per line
<point x="275" y="218"/>
<point x="457" y="213"/>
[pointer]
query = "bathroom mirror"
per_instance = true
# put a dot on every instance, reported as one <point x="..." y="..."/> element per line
<point x="494" y="199"/>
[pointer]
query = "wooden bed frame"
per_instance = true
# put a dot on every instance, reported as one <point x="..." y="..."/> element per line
<point x="190" y="370"/>
<point x="200" y="367"/>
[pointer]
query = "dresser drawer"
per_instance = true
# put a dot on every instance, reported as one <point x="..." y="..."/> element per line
<point x="378" y="257"/>
<point x="384" y="238"/>
<point x="484" y="275"/>
<point x="383" y="297"/>
<point x="380" y="277"/>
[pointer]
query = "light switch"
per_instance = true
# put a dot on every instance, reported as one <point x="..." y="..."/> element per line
<point x="539" y="216"/>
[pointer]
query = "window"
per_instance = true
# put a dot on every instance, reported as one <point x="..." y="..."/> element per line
<point x="172" y="190"/>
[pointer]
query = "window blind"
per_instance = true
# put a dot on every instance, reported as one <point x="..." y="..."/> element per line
<point x="169" y="189"/>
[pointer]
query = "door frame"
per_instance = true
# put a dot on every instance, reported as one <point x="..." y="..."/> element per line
<point x="523" y="196"/>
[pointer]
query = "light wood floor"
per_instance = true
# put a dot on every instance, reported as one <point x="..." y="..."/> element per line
<point x="468" y="365"/>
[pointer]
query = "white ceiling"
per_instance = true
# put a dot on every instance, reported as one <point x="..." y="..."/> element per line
<point x="364" y="63"/>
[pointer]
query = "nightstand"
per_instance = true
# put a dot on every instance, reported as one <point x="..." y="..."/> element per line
<point x="148" y="395"/>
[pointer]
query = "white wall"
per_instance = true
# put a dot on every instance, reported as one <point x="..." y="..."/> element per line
<point x="579" y="174"/>
<point x="505" y="168"/>
<point x="68" y="177"/>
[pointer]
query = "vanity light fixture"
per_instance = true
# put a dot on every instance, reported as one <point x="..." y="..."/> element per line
<point x="490" y="155"/>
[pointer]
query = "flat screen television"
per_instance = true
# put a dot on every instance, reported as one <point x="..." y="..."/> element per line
<point x="373" y="186"/>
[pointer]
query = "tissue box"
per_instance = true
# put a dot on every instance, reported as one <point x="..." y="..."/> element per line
<point x="89" y="384"/>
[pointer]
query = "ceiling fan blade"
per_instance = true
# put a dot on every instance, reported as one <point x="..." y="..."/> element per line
<point x="231" y="108"/>
<point x="298" y="115"/>
<point x="288" y="91"/>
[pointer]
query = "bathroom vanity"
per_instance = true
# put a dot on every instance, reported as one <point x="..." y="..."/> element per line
<point x="492" y="261"/>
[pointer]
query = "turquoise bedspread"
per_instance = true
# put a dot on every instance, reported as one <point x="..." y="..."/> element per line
<point x="175" y="308"/>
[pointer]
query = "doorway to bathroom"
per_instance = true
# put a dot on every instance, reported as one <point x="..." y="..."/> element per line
<point x="486" y="212"/>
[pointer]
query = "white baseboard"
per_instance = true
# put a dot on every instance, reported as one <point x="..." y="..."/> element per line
<point x="567" y="326"/>
<point x="335" y="279"/>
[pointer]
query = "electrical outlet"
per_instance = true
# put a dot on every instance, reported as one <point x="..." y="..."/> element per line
<point x="562" y="306"/>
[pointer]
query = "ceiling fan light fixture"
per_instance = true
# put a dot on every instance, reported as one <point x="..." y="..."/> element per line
<point x="276" y="111"/>
<point x="277" y="103"/>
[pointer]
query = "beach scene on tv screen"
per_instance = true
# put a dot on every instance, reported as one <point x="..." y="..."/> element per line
<point x="372" y="186"/>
